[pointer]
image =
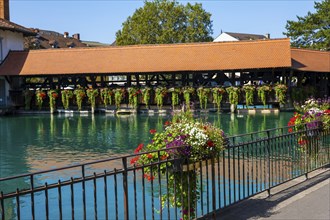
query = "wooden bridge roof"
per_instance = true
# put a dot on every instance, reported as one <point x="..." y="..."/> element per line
<point x="310" y="60"/>
<point x="241" y="55"/>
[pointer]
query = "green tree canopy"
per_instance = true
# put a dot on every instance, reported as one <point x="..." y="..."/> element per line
<point x="313" y="30"/>
<point x="166" y="21"/>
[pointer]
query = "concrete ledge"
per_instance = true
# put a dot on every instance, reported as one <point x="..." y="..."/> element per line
<point x="258" y="111"/>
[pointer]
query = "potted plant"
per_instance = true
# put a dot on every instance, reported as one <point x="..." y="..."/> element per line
<point x="187" y="93"/>
<point x="217" y="93"/>
<point x="184" y="141"/>
<point x="92" y="94"/>
<point x="262" y="93"/>
<point x="40" y="96"/>
<point x="80" y="95"/>
<point x="175" y="96"/>
<point x="249" y="92"/>
<point x="66" y="96"/>
<point x="28" y="94"/>
<point x="53" y="95"/>
<point x="280" y="92"/>
<point x="203" y="94"/>
<point x="133" y="94"/>
<point x="146" y="96"/>
<point x="106" y="96"/>
<point x="119" y="96"/>
<point x="160" y="93"/>
<point x="233" y="94"/>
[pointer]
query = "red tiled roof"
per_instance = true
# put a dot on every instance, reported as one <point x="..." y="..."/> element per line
<point x="310" y="60"/>
<point x="7" y="25"/>
<point x="240" y="55"/>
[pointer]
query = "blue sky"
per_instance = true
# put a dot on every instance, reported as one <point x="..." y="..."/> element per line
<point x="99" y="20"/>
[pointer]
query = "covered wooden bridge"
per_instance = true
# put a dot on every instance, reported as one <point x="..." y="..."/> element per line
<point x="173" y="65"/>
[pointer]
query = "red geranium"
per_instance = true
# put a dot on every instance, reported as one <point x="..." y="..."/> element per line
<point x="133" y="160"/>
<point x="153" y="131"/>
<point x="210" y="143"/>
<point x="138" y="149"/>
<point x="150" y="156"/>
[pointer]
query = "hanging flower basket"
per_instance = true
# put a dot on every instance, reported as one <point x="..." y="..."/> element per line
<point x="40" y="97"/>
<point x="146" y="96"/>
<point x="249" y="94"/>
<point x="263" y="91"/>
<point x="175" y="96"/>
<point x="119" y="96"/>
<point x="80" y="95"/>
<point x="217" y="93"/>
<point x="160" y="93"/>
<point x="187" y="93"/>
<point x="280" y="91"/>
<point x="203" y="94"/>
<point x="53" y="95"/>
<point x="133" y="95"/>
<point x="66" y="96"/>
<point x="106" y="96"/>
<point x="92" y="94"/>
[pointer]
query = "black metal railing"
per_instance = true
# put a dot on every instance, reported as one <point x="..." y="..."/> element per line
<point x="116" y="189"/>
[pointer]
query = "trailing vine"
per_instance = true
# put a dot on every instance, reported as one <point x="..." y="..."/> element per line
<point x="280" y="92"/>
<point x="160" y="93"/>
<point x="175" y="96"/>
<point x="187" y="93"/>
<point x="133" y="94"/>
<point x="249" y="91"/>
<point x="146" y="96"/>
<point x="106" y="96"/>
<point x="53" y="95"/>
<point x="28" y="94"/>
<point x="217" y="93"/>
<point x="119" y="96"/>
<point x="262" y="93"/>
<point x="92" y="94"/>
<point x="233" y="94"/>
<point x="80" y="95"/>
<point x="40" y="96"/>
<point x="66" y="96"/>
<point x="203" y="96"/>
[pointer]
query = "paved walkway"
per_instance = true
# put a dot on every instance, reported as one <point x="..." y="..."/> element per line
<point x="300" y="199"/>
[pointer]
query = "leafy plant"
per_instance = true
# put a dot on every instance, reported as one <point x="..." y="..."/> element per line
<point x="40" y="96"/>
<point x="53" y="95"/>
<point x="92" y="94"/>
<point x="160" y="93"/>
<point x="133" y="94"/>
<point x="187" y="93"/>
<point x="80" y="95"/>
<point x="175" y="96"/>
<point x="146" y="96"/>
<point x="249" y="91"/>
<point x="106" y="96"/>
<point x="280" y="91"/>
<point x="233" y="94"/>
<point x="119" y="96"/>
<point x="217" y="96"/>
<point x="66" y="96"/>
<point x="28" y="94"/>
<point x="262" y="93"/>
<point x="203" y="94"/>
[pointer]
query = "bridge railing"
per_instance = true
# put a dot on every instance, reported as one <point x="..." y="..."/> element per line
<point x="116" y="189"/>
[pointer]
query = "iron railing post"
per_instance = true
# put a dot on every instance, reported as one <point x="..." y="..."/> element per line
<point x="32" y="196"/>
<point x="213" y="188"/>
<point x="125" y="189"/>
<point x="268" y="162"/>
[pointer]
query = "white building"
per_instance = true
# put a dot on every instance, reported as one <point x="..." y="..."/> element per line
<point x="11" y="38"/>
<point x="230" y="36"/>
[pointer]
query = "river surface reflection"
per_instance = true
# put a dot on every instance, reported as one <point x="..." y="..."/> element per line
<point x="33" y="143"/>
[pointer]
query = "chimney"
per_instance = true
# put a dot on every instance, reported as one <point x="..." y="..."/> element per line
<point x="4" y="9"/>
<point x="76" y="36"/>
<point x="267" y="36"/>
<point x="66" y="34"/>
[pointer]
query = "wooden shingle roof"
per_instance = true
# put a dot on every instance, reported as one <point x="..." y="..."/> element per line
<point x="240" y="55"/>
<point x="310" y="60"/>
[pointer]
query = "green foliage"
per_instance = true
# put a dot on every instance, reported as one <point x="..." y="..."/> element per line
<point x="233" y="93"/>
<point x="80" y="95"/>
<point x="166" y="21"/>
<point x="92" y="94"/>
<point x="133" y="94"/>
<point x="40" y="96"/>
<point x="280" y="92"/>
<point x="66" y="96"/>
<point x="119" y="96"/>
<point x="203" y="94"/>
<point x="160" y="93"/>
<point x="217" y="96"/>
<point x="187" y="93"/>
<point x="146" y="96"/>
<point x="262" y="93"/>
<point x="106" y="96"/>
<point x="28" y="94"/>
<point x="175" y="96"/>
<point x="313" y="30"/>
<point x="249" y="91"/>
<point x="52" y="94"/>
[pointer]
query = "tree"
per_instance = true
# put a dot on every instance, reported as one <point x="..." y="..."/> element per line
<point x="313" y="30"/>
<point x="166" y="21"/>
